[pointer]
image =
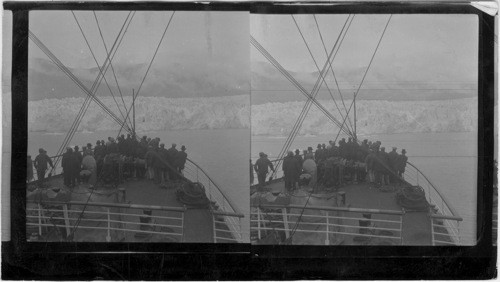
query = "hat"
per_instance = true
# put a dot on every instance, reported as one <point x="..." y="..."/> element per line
<point x="404" y="151"/>
<point x="297" y="151"/>
<point x="183" y="147"/>
<point x="261" y="154"/>
<point x="41" y="150"/>
<point x="319" y="145"/>
<point x="394" y="148"/>
<point x="309" y="148"/>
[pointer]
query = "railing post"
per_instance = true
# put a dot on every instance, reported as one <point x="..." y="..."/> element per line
<point x="285" y="222"/>
<point x="417" y="179"/>
<point x="401" y="228"/>
<point x="458" y="232"/>
<point x="327" y="240"/>
<point x="432" y="231"/>
<point x="108" y="237"/>
<point x="213" y="226"/>
<point x="182" y="227"/>
<point x="39" y="219"/>
<point x="197" y="174"/>
<point x="258" y="223"/>
<point x="66" y="219"/>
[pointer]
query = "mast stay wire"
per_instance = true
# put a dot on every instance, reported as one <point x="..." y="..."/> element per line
<point x="317" y="67"/>
<point x="93" y="88"/>
<point x="367" y="69"/>
<point x="87" y="102"/>
<point x="97" y="63"/>
<point x="310" y="97"/>
<point x="287" y="75"/>
<point x="331" y="67"/>
<point x="147" y="71"/>
<point x="112" y="68"/>
<point x="40" y="44"/>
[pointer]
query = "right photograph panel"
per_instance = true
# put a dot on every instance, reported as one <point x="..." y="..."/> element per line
<point x="364" y="129"/>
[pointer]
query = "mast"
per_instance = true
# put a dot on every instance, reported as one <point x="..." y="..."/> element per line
<point x="133" y="110"/>
<point x="355" y="135"/>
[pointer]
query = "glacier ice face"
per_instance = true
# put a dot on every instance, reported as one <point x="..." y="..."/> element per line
<point x="152" y="113"/>
<point x="373" y="117"/>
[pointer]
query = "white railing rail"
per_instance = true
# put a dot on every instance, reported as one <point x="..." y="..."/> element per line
<point x="113" y="221"/>
<point x="222" y="206"/>
<point x="445" y="230"/>
<point x="332" y="223"/>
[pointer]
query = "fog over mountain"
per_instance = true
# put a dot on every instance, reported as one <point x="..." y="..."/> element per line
<point x="269" y="85"/>
<point x="185" y="78"/>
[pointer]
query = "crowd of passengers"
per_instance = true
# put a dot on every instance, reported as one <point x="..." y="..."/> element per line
<point x="329" y="165"/>
<point x="115" y="160"/>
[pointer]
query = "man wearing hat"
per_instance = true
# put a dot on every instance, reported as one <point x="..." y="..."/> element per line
<point x="393" y="163"/>
<point x="261" y="168"/>
<point x="402" y="163"/>
<point x="180" y="159"/>
<point x="41" y="162"/>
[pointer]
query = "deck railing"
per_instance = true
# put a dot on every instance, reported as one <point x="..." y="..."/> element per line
<point x="111" y="222"/>
<point x="222" y="206"/>
<point x="334" y="225"/>
<point x="437" y="201"/>
<point x="445" y="230"/>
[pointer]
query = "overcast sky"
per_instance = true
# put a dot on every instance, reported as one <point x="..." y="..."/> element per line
<point x="220" y="35"/>
<point x="415" y="47"/>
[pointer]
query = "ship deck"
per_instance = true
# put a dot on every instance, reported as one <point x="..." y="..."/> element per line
<point x="198" y="222"/>
<point x="416" y="224"/>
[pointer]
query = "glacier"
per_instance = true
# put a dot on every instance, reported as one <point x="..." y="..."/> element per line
<point x="268" y="119"/>
<point x="152" y="113"/>
<point x="373" y="117"/>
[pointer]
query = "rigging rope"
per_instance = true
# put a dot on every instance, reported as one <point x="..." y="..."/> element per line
<point x="150" y="63"/>
<point x="331" y="67"/>
<point x="97" y="63"/>
<point x="86" y="104"/>
<point x="112" y="70"/>
<point x="33" y="37"/>
<point x="317" y="67"/>
<point x="259" y="47"/>
<point x="311" y="98"/>
<point x="366" y="72"/>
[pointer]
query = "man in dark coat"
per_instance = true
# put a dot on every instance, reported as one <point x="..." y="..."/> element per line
<point x="402" y="163"/>
<point x="40" y="163"/>
<point x="290" y="171"/>
<point x="68" y="165"/>
<point x="171" y="156"/>
<point x="393" y="157"/>
<point x="261" y="168"/>
<point x="78" y="157"/>
<point x="180" y="159"/>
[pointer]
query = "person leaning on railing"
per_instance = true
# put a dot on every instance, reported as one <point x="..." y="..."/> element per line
<point x="41" y="162"/>
<point x="261" y="168"/>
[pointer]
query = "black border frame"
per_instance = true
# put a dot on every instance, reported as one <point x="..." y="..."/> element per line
<point x="71" y="261"/>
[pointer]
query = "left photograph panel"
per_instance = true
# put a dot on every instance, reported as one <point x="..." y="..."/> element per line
<point x="138" y="126"/>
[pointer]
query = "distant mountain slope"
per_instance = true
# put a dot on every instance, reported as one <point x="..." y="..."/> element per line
<point x="175" y="79"/>
<point x="377" y="86"/>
